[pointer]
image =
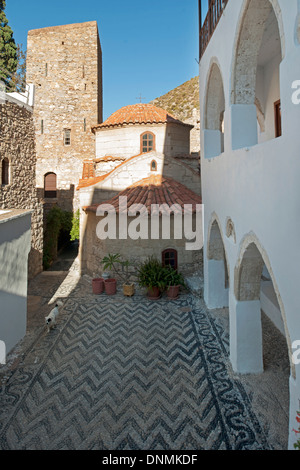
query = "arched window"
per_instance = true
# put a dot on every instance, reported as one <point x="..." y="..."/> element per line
<point x="5" y="172"/>
<point x="169" y="257"/>
<point x="50" y="185"/>
<point x="153" y="166"/>
<point x="147" y="142"/>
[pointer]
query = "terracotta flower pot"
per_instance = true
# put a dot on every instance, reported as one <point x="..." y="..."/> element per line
<point x="98" y="285"/>
<point x="173" y="292"/>
<point x="110" y="286"/>
<point x="153" y="293"/>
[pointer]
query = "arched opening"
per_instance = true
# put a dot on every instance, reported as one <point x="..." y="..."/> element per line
<point x="5" y="170"/>
<point x="256" y="110"/>
<point x="259" y="339"/>
<point x="170" y="258"/>
<point x="214" y="114"/>
<point x="50" y="189"/>
<point x="153" y="165"/>
<point x="217" y="277"/>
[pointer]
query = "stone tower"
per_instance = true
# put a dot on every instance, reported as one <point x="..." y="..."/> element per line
<point x="65" y="65"/>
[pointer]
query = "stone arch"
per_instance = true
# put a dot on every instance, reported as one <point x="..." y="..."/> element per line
<point x="247" y="284"/>
<point x="214" y="109"/>
<point x="259" y="41"/>
<point x="217" y="278"/>
<point x="50" y="185"/>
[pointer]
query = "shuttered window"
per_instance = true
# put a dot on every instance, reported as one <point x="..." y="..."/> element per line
<point x="5" y="172"/>
<point x="50" y="185"/>
<point x="67" y="137"/>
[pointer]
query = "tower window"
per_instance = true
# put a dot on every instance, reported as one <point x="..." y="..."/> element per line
<point x="67" y="137"/>
<point x="5" y="172"/>
<point x="42" y="126"/>
<point x="147" y="142"/>
<point x="84" y="124"/>
<point x="50" y="189"/>
<point x="46" y="70"/>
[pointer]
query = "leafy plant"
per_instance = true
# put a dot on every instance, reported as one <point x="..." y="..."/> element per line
<point x="173" y="277"/>
<point x="152" y="274"/>
<point x="111" y="262"/>
<point x="74" y="233"/>
<point x="297" y="444"/>
<point x="58" y="223"/>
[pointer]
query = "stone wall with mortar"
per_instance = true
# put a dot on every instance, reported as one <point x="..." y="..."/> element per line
<point x="17" y="144"/>
<point x="65" y="65"/>
<point x="93" y="249"/>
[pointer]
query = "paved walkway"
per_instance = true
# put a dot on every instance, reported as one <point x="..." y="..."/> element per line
<point x="129" y="374"/>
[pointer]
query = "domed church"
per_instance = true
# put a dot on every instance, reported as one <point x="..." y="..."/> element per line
<point x="142" y="153"/>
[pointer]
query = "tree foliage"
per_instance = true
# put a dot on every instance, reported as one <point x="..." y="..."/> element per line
<point x="8" y="50"/>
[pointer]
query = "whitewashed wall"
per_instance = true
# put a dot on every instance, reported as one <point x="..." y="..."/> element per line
<point x="258" y="186"/>
<point x="15" y="244"/>
<point x="171" y="139"/>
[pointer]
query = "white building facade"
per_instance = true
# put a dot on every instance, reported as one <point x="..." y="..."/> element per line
<point x="250" y="147"/>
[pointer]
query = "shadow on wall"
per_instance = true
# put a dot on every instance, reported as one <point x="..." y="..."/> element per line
<point x="61" y="197"/>
<point x="136" y="248"/>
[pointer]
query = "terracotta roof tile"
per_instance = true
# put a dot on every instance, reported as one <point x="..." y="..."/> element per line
<point x="141" y="113"/>
<point x="109" y="158"/>
<point x="155" y="189"/>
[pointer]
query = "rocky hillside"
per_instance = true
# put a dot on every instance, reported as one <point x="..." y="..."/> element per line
<point x="183" y="103"/>
<point x="182" y="100"/>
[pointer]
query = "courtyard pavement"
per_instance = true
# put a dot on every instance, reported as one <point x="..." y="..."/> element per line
<point x="124" y="373"/>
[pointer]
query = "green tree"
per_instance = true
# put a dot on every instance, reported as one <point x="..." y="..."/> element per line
<point x="18" y="81"/>
<point x="8" y="50"/>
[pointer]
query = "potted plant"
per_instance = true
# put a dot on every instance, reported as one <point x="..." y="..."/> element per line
<point x="174" y="281"/>
<point x="111" y="262"/>
<point x="98" y="285"/>
<point x="151" y="274"/>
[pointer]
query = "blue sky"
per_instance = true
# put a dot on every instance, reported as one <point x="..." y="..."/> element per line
<point x="149" y="47"/>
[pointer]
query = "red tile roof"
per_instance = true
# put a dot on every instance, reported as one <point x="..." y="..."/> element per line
<point x="109" y="158"/>
<point x="155" y="189"/>
<point x="141" y="113"/>
<point x="88" y="169"/>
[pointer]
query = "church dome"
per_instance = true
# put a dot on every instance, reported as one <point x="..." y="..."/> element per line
<point x="140" y="113"/>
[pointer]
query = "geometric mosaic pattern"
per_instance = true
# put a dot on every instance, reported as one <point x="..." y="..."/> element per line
<point x="128" y="375"/>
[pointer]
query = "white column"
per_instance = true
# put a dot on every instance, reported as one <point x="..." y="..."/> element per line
<point x="246" y="350"/>
<point x="212" y="143"/>
<point x="215" y="293"/>
<point x="243" y="126"/>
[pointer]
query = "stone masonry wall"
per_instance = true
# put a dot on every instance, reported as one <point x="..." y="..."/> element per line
<point x="17" y="143"/>
<point x="93" y="250"/>
<point x="65" y="64"/>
